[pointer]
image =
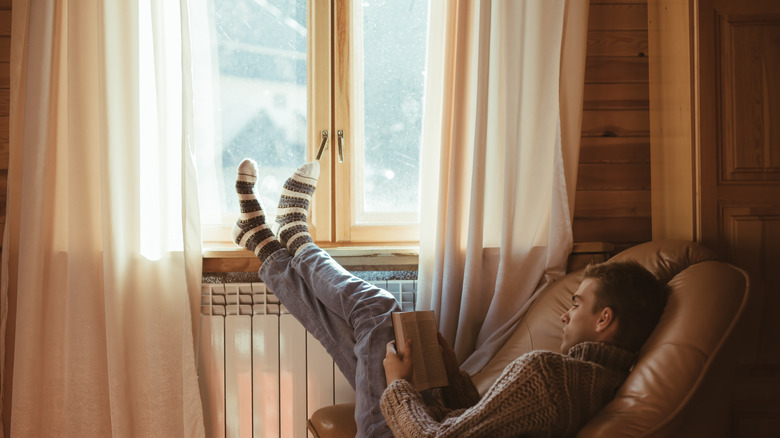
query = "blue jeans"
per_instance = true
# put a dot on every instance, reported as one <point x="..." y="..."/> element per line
<point x="350" y="317"/>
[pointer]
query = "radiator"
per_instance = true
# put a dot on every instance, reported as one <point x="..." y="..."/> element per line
<point x="261" y="374"/>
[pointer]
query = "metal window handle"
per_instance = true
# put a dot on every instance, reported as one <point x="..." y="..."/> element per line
<point x="323" y="144"/>
<point x="340" y="135"/>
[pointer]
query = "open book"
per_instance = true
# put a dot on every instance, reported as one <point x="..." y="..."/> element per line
<point x="420" y="326"/>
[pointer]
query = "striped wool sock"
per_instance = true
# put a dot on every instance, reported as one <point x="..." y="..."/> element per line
<point x="294" y="207"/>
<point x="250" y="230"/>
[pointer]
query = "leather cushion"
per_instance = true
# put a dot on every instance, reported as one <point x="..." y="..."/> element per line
<point x="336" y="421"/>
<point x="704" y="306"/>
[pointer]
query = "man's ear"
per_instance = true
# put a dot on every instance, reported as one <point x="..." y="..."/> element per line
<point x="606" y="321"/>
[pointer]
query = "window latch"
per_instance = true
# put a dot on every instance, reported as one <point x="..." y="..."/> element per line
<point x="340" y="134"/>
<point x="323" y="144"/>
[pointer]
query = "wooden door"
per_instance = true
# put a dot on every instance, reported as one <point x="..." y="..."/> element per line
<point x="739" y="181"/>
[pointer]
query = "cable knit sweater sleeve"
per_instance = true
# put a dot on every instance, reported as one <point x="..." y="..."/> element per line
<point x="461" y="393"/>
<point x="523" y="400"/>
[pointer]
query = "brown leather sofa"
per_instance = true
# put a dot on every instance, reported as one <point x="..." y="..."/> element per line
<point x="680" y="383"/>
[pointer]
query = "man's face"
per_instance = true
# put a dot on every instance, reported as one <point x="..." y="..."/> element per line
<point x="580" y="322"/>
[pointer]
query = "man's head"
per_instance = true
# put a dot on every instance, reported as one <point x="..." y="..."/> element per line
<point x="619" y="303"/>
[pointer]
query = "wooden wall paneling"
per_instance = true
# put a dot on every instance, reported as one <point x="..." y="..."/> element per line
<point x="614" y="176"/>
<point x="616" y="96"/>
<point x="4" y="142"/>
<point x="715" y="109"/>
<point x="5" y="68"/>
<point x="740" y="113"/>
<point x="749" y="84"/>
<point x="616" y="123"/>
<point x="5" y="22"/>
<point x="613" y="198"/>
<point x="613" y="203"/>
<point x="3" y="198"/>
<point x="4" y="146"/>
<point x="615" y="149"/>
<point x="5" y="102"/>
<point x="5" y="126"/>
<point x="619" y="16"/>
<point x="617" y="43"/>
<point x="5" y="82"/>
<point x="756" y="421"/>
<point x="616" y="69"/>
<point x="5" y="48"/>
<point x="752" y="233"/>
<point x="5" y="74"/>
<point x="623" y="231"/>
<point x="672" y="124"/>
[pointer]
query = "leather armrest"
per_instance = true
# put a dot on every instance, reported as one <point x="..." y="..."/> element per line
<point x="336" y="421"/>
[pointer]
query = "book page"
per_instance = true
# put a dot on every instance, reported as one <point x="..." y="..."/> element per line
<point x="429" y="369"/>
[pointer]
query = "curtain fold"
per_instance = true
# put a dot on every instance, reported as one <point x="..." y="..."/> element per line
<point x="501" y="136"/>
<point x="102" y="248"/>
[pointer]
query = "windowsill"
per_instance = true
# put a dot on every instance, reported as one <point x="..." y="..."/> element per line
<point x="224" y="258"/>
<point x="227" y="257"/>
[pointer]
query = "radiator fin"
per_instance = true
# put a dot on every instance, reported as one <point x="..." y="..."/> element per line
<point x="261" y="373"/>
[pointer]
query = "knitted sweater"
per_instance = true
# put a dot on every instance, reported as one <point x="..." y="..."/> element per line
<point x="541" y="393"/>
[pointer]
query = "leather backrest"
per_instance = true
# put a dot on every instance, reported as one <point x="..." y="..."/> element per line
<point x="540" y="329"/>
<point x="706" y="301"/>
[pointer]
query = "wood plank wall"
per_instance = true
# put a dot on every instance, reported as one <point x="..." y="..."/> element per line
<point x="613" y="188"/>
<point x="5" y="92"/>
<point x="5" y="97"/>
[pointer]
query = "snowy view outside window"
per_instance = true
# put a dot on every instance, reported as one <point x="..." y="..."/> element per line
<point x="260" y="100"/>
<point x="394" y="42"/>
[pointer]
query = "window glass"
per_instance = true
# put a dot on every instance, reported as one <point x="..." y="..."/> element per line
<point x="252" y="80"/>
<point x="394" y="38"/>
<point x="260" y="97"/>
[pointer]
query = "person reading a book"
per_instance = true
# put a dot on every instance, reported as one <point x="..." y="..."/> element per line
<point x="543" y="393"/>
<point x="540" y="393"/>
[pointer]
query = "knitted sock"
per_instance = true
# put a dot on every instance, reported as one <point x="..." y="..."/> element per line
<point x="250" y="230"/>
<point x="294" y="207"/>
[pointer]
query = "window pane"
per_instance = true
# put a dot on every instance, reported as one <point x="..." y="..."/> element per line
<point x="260" y="99"/>
<point x="394" y="44"/>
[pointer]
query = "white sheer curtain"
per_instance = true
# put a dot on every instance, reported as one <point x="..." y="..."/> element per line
<point x="102" y="246"/>
<point x="501" y="145"/>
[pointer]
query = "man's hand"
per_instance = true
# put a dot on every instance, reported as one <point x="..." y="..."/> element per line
<point x="398" y="366"/>
<point x="450" y="360"/>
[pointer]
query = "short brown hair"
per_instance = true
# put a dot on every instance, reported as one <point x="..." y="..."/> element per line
<point x="636" y="297"/>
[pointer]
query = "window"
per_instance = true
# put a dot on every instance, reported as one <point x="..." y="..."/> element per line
<point x="286" y="74"/>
